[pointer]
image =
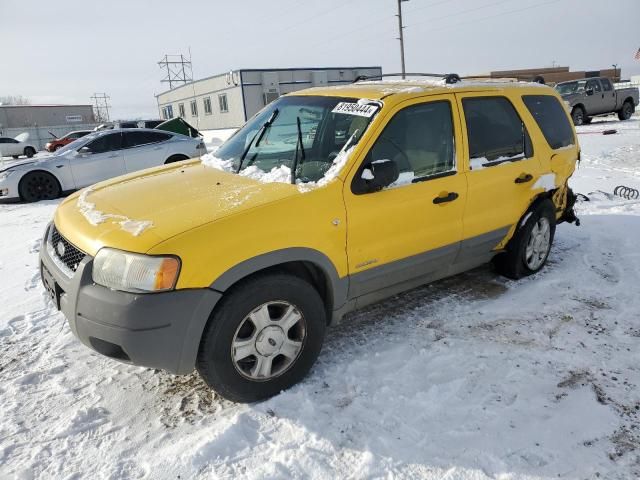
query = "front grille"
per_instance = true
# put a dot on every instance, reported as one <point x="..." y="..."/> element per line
<point x="71" y="256"/>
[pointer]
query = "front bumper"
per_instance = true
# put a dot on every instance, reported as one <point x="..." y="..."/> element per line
<point x="9" y="189"/>
<point x="157" y="330"/>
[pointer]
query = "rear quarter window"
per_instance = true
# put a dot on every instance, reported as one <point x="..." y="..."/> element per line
<point x="552" y="119"/>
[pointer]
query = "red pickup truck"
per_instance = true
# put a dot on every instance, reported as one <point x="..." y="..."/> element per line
<point x="54" y="145"/>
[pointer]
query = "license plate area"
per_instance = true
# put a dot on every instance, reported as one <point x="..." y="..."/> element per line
<point x="53" y="289"/>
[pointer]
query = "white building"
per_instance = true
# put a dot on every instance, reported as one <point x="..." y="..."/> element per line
<point x="230" y="99"/>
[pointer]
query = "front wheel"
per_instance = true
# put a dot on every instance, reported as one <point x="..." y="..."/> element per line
<point x="578" y="115"/>
<point x="528" y="250"/>
<point x="626" y="111"/>
<point x="36" y="186"/>
<point x="263" y="338"/>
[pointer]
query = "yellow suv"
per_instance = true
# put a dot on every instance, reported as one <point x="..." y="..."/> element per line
<point x="327" y="200"/>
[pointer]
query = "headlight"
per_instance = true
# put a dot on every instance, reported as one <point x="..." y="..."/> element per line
<point x="133" y="272"/>
<point x="5" y="174"/>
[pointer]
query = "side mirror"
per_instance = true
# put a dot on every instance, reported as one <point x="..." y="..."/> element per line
<point x="589" y="91"/>
<point x="376" y="176"/>
<point x="85" y="151"/>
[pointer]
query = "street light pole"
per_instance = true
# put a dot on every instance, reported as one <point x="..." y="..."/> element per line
<point x="401" y="37"/>
<point x="615" y="72"/>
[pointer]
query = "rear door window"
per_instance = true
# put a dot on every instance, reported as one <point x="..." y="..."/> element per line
<point x="552" y="119"/>
<point x="136" y="139"/>
<point x="495" y="132"/>
<point x="606" y="84"/>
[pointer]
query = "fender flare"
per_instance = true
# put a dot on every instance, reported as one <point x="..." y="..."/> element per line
<point x="337" y="287"/>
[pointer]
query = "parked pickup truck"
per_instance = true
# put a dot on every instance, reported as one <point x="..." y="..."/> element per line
<point x="596" y="96"/>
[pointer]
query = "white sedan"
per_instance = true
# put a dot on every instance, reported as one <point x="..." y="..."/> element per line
<point x="93" y="158"/>
<point x="15" y="147"/>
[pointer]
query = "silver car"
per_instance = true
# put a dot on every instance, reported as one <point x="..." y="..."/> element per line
<point x="93" y="158"/>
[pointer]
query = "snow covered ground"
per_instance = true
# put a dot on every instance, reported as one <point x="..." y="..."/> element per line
<point x="474" y="377"/>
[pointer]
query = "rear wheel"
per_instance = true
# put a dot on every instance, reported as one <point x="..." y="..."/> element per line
<point x="263" y="338"/>
<point x="528" y="250"/>
<point x="626" y="111"/>
<point x="36" y="186"/>
<point x="578" y="115"/>
<point x="29" y="152"/>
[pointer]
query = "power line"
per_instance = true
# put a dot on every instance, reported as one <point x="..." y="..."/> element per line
<point x="496" y="15"/>
<point x="455" y="14"/>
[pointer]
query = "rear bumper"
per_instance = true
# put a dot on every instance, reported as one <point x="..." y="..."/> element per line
<point x="159" y="330"/>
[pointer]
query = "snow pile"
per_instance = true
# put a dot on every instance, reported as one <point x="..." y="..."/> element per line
<point x="96" y="217"/>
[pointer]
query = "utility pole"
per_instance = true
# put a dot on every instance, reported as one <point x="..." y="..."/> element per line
<point x="401" y="37"/>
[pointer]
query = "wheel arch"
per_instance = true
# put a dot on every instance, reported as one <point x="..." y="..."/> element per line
<point x="579" y="105"/>
<point x="39" y="170"/>
<point x="306" y="263"/>
<point x="176" y="157"/>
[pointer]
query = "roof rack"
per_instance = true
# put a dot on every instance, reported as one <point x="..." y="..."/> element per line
<point x="448" y="78"/>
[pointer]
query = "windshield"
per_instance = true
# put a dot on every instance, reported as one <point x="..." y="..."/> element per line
<point x="307" y="132"/>
<point x="571" y="87"/>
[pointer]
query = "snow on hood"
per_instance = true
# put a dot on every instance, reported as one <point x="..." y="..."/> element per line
<point x="96" y="217"/>
<point x="23" y="137"/>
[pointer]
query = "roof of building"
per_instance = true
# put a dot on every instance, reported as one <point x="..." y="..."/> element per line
<point x="292" y="69"/>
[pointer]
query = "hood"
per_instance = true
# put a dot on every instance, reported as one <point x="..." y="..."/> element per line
<point x="9" y="165"/>
<point x="138" y="211"/>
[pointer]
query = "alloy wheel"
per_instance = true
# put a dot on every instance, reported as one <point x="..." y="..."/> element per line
<point x="268" y="341"/>
<point x="538" y="245"/>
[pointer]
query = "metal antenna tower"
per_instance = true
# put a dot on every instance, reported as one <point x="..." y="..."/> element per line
<point x="101" y="109"/>
<point x="178" y="68"/>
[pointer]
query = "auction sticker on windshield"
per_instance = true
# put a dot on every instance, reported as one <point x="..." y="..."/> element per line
<point x="355" y="109"/>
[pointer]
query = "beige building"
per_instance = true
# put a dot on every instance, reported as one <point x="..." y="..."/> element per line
<point x="230" y="99"/>
<point x="555" y="75"/>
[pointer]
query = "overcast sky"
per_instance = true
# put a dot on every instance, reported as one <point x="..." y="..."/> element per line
<point x="63" y="51"/>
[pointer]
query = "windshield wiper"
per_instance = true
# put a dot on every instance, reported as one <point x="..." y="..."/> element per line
<point x="300" y="147"/>
<point x="259" y="134"/>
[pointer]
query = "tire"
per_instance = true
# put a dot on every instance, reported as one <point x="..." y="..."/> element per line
<point x="36" y="186"/>
<point x="176" y="158"/>
<point x="577" y="115"/>
<point x="523" y="255"/>
<point x="15" y="156"/>
<point x="29" y="152"/>
<point x="626" y="111"/>
<point x="237" y="319"/>
<point x="587" y="120"/>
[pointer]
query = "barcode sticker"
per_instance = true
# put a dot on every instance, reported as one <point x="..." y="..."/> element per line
<point x="355" y="109"/>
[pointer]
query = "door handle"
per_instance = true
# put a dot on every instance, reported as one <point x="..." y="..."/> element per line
<point x="450" y="197"/>
<point x="113" y="156"/>
<point x="524" y="178"/>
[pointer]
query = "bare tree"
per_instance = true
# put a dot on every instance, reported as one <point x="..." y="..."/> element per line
<point x="14" y="100"/>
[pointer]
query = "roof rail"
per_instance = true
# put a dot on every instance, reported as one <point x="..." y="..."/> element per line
<point x="447" y="77"/>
